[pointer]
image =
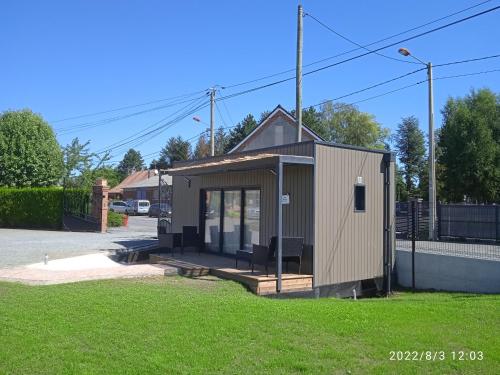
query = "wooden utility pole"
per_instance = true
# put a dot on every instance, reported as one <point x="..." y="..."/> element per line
<point x="212" y="120"/>
<point x="298" y="76"/>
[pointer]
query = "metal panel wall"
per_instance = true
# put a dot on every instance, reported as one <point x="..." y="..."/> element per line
<point x="348" y="244"/>
<point x="298" y="215"/>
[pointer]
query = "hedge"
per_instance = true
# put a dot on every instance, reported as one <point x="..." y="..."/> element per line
<point x="31" y="207"/>
<point x="115" y="219"/>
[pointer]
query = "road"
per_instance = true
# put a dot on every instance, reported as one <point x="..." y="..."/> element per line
<point x="23" y="246"/>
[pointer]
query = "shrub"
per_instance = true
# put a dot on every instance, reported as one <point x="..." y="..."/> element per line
<point x="31" y="207"/>
<point x="115" y="219"/>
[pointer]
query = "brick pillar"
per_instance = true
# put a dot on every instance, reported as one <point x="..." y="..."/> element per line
<point x="100" y="203"/>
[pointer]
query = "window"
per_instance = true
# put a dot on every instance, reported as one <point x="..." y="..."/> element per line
<point x="359" y="198"/>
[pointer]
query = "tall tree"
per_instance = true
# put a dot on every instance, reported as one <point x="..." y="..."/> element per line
<point x="346" y="124"/>
<point x="220" y="141"/>
<point x="401" y="192"/>
<point x="176" y="149"/>
<point x="313" y="120"/>
<point x="470" y="147"/>
<point x="132" y="161"/>
<point x="202" y="148"/>
<point x="410" y="148"/>
<point x="238" y="133"/>
<point x="29" y="153"/>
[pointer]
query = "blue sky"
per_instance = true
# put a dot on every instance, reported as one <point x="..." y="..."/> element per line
<point x="68" y="58"/>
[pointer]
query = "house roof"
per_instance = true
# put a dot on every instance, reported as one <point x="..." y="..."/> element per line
<point x="134" y="177"/>
<point x="265" y="122"/>
<point x="152" y="181"/>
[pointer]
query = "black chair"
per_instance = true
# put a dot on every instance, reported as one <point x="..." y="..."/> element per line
<point x="292" y="250"/>
<point x="190" y="238"/>
<point x="170" y="241"/>
<point x="261" y="256"/>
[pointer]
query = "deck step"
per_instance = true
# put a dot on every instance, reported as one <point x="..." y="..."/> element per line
<point x="184" y="268"/>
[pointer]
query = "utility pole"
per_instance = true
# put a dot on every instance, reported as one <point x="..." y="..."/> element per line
<point x="298" y="76"/>
<point x="432" y="156"/>
<point x="212" y="120"/>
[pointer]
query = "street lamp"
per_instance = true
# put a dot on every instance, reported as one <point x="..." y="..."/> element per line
<point x="432" y="148"/>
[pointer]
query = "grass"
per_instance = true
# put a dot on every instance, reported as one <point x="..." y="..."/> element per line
<point x="179" y="325"/>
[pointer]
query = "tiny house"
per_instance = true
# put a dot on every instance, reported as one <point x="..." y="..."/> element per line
<point x="338" y="198"/>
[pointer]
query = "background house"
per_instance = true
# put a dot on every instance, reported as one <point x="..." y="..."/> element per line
<point x="117" y="191"/>
<point x="146" y="188"/>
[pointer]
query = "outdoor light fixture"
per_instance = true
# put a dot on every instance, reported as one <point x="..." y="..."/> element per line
<point x="404" y="52"/>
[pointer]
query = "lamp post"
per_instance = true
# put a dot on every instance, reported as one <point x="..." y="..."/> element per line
<point x="432" y="148"/>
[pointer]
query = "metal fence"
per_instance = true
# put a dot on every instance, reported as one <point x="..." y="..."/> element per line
<point x="462" y="230"/>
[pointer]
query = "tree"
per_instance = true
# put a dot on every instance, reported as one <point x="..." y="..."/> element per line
<point x="239" y="133"/>
<point x="410" y="148"/>
<point x="401" y="192"/>
<point x="220" y="141"/>
<point x="77" y="158"/>
<point x="82" y="167"/>
<point x="313" y="120"/>
<point x="202" y="148"/>
<point x="29" y="153"/>
<point x="347" y="125"/>
<point x="132" y="161"/>
<point x="469" y="142"/>
<point x="176" y="149"/>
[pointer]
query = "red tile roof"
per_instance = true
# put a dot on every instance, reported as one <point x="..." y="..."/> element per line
<point x="134" y="177"/>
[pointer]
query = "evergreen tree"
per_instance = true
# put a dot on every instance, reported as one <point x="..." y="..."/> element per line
<point x="410" y="149"/>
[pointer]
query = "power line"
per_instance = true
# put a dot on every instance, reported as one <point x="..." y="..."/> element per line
<point x="355" y="43"/>
<point x="88" y="125"/>
<point x="467" y="61"/>
<point x="400" y="88"/>
<point x="127" y="107"/>
<point x="357" y="49"/>
<point x="188" y="110"/>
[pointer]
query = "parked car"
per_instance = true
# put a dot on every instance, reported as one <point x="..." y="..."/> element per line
<point x="119" y="206"/>
<point x="164" y="211"/>
<point x="139" y="207"/>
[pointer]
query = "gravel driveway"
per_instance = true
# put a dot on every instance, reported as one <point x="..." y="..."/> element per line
<point x="22" y="246"/>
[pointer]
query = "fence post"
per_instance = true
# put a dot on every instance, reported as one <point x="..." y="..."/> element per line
<point x="413" y="237"/>
<point x="100" y="203"/>
<point x="497" y="223"/>
<point x="438" y="220"/>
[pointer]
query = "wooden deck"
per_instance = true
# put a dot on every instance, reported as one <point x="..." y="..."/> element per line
<point x="195" y="265"/>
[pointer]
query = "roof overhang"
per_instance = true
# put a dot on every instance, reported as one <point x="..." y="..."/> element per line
<point x="239" y="164"/>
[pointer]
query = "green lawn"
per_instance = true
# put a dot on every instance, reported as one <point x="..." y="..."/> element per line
<point x="179" y="325"/>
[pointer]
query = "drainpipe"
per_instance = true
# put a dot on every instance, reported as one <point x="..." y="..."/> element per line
<point x="387" y="238"/>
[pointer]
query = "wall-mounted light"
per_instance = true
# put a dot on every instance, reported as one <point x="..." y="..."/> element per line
<point x="273" y="172"/>
<point x="188" y="181"/>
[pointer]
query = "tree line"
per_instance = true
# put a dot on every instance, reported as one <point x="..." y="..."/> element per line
<point x="467" y="148"/>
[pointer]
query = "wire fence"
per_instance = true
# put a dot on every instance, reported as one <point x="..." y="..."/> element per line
<point x="461" y="229"/>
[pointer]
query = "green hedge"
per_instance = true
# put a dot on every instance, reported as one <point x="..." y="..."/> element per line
<point x="31" y="207"/>
<point x="115" y="219"/>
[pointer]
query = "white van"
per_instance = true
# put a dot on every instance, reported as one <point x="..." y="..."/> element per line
<point x="140" y="207"/>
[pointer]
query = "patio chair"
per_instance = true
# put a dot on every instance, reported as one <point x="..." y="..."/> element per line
<point x="170" y="241"/>
<point x="261" y="256"/>
<point x="292" y="250"/>
<point x="190" y="238"/>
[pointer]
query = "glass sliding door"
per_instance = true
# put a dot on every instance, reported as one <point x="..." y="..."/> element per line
<point x="212" y="220"/>
<point x="251" y="218"/>
<point x="232" y="221"/>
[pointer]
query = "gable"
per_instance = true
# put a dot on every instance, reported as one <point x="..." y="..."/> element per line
<point x="279" y="128"/>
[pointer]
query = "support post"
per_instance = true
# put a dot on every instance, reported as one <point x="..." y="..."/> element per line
<point x="100" y="203"/>
<point x="279" y="224"/>
<point x="413" y="239"/>
<point x="212" y="120"/>
<point x="432" y="163"/>
<point x="298" y="76"/>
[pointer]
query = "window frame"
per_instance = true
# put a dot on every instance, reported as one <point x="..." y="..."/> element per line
<point x="364" y="197"/>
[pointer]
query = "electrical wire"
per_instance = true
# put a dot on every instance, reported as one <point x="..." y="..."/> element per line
<point x="357" y="49"/>
<point x="355" y="43"/>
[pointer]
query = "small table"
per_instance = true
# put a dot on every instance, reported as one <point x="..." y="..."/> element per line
<point x="245" y="255"/>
